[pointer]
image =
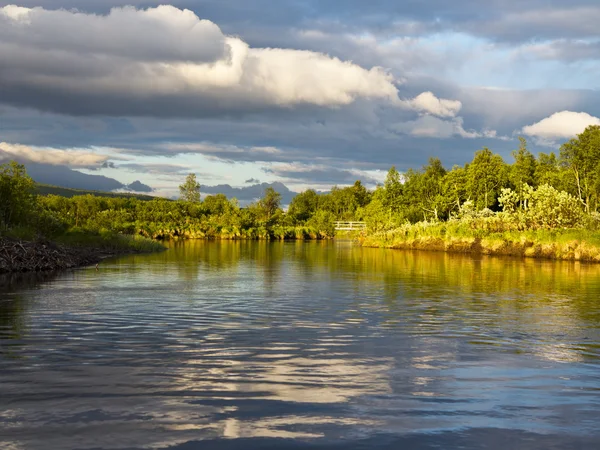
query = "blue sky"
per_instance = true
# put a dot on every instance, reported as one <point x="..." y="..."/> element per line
<point x="305" y="92"/>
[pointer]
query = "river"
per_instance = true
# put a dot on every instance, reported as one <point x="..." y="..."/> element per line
<point x="319" y="345"/>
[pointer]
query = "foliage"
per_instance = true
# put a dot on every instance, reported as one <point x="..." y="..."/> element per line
<point x="17" y="196"/>
<point x="486" y="175"/>
<point x="522" y="172"/>
<point x="269" y="204"/>
<point x="581" y="158"/>
<point x="303" y="206"/>
<point x="544" y="207"/>
<point x="484" y="196"/>
<point x="190" y="190"/>
<point x="392" y="188"/>
<point x="323" y="221"/>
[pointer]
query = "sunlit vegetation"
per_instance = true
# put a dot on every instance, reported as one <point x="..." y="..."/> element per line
<point x="545" y="206"/>
<point x="24" y="214"/>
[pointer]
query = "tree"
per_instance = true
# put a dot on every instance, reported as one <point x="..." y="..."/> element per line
<point x="393" y="190"/>
<point x="433" y="200"/>
<point x="270" y="203"/>
<point x="455" y="188"/>
<point x="486" y="174"/>
<point x="522" y="172"/>
<point x="190" y="190"/>
<point x="304" y="205"/>
<point x="581" y="157"/>
<point x="547" y="170"/>
<point x="343" y="202"/>
<point x="361" y="194"/>
<point x="17" y="195"/>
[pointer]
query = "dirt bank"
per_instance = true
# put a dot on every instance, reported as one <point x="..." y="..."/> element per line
<point x="574" y="250"/>
<point x="38" y="256"/>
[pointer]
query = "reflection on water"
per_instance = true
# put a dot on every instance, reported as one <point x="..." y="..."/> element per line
<point x="251" y="344"/>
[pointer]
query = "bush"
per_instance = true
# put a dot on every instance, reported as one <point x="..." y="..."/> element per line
<point x="323" y="222"/>
<point x="544" y="208"/>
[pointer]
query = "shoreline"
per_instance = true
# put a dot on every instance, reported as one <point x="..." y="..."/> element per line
<point x="574" y="250"/>
<point x="18" y="256"/>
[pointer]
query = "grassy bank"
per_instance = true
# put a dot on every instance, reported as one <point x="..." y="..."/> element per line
<point x="108" y="241"/>
<point x="459" y="237"/>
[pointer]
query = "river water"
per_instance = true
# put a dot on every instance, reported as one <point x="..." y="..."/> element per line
<point x="319" y="345"/>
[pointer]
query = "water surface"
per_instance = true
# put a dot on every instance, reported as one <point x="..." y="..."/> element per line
<point x="244" y="345"/>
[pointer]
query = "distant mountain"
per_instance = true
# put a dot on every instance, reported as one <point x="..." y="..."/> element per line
<point x="249" y="194"/>
<point x="138" y="186"/>
<point x="64" y="177"/>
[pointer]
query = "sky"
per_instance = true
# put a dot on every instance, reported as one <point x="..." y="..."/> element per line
<point x="309" y="93"/>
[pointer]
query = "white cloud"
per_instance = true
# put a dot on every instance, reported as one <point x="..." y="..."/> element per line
<point x="434" y="127"/>
<point x="53" y="156"/>
<point x="207" y="148"/>
<point x="16" y="13"/>
<point x="164" y="33"/>
<point x="560" y="125"/>
<point x="427" y="102"/>
<point x="169" y="54"/>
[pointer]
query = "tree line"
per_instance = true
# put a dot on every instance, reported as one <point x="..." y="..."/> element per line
<point x="488" y="184"/>
<point x="566" y="184"/>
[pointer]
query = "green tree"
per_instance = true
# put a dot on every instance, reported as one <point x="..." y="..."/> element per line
<point x="18" y="201"/>
<point x="486" y="175"/>
<point x="343" y="203"/>
<point x="323" y="222"/>
<point x="392" y="186"/>
<point x="547" y="170"/>
<point x="455" y="189"/>
<point x="581" y="157"/>
<point x="522" y="172"/>
<point x="361" y="194"/>
<point x="303" y="206"/>
<point x="190" y="190"/>
<point x="269" y="203"/>
<point x="433" y="200"/>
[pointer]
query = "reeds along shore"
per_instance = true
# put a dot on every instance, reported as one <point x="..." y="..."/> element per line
<point x="565" y="244"/>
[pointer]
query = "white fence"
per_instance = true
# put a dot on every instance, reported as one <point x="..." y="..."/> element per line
<point x="350" y="226"/>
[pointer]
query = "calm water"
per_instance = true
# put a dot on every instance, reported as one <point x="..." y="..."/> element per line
<point x="241" y="345"/>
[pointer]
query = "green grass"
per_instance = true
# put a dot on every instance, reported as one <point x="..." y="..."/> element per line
<point x="109" y="241"/>
<point x="485" y="237"/>
<point x="20" y="233"/>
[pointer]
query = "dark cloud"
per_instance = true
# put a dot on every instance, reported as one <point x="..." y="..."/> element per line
<point x="510" y="20"/>
<point x="77" y="97"/>
<point x="252" y="181"/>
<point x="164" y="62"/>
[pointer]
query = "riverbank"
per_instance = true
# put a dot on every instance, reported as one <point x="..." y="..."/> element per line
<point x="558" y="244"/>
<point x="68" y="253"/>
